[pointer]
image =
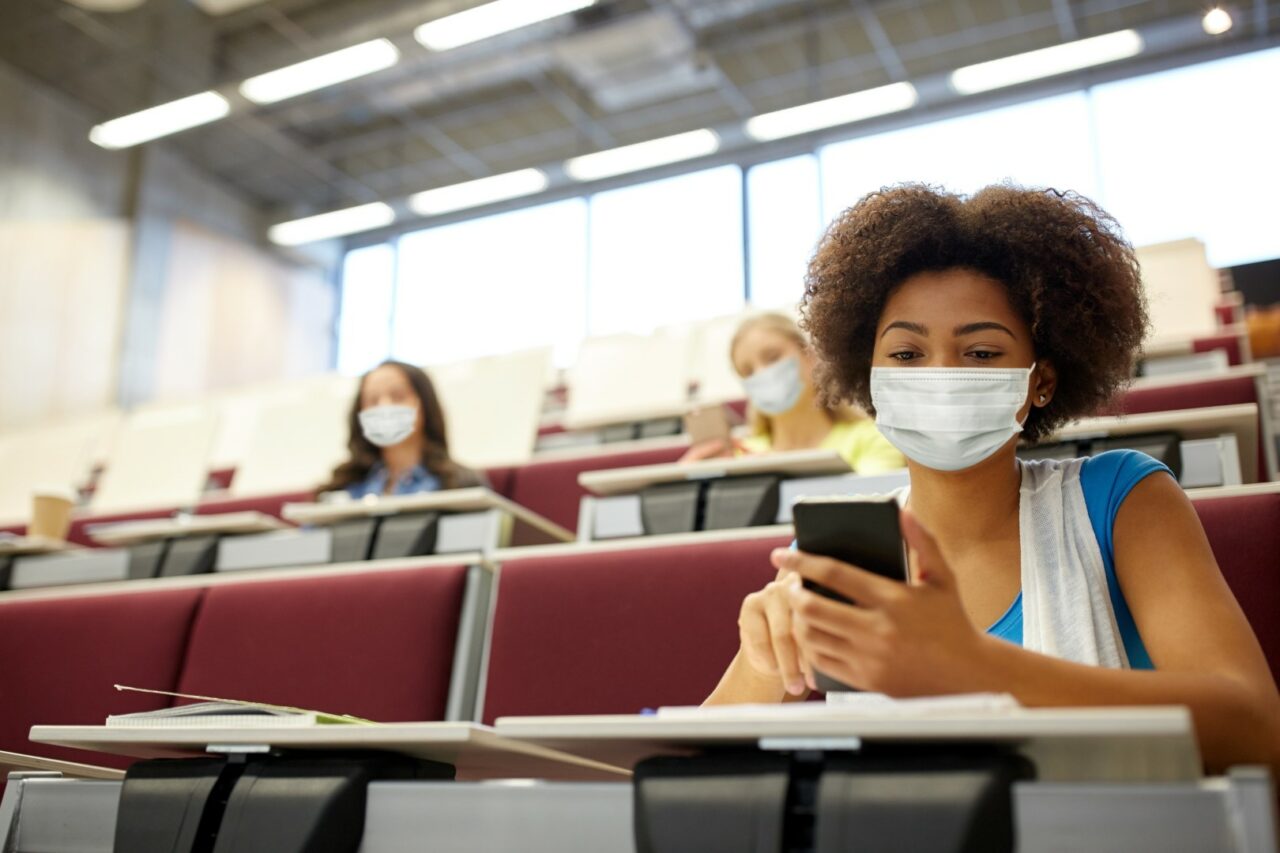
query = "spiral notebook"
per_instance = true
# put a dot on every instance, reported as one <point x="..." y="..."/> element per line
<point x="212" y="712"/>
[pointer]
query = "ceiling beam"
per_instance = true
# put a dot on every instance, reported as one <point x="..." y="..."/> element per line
<point x="1066" y="20"/>
<point x="885" y="51"/>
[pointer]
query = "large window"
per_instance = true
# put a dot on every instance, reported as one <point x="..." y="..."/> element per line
<point x="666" y="252"/>
<point x="1184" y="153"/>
<point x="1040" y="143"/>
<point x="784" y="222"/>
<point x="364" y="328"/>
<point x="502" y="283"/>
<point x="1193" y="153"/>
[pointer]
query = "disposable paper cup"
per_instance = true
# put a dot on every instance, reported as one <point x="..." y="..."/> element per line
<point x="51" y="513"/>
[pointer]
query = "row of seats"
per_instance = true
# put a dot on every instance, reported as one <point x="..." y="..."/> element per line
<point x="549" y="485"/>
<point x="590" y="629"/>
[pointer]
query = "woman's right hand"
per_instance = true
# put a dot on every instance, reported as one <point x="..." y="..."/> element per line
<point x="713" y="449"/>
<point x="764" y="630"/>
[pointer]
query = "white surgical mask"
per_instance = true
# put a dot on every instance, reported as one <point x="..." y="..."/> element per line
<point x="387" y="426"/>
<point x="949" y="418"/>
<point x="775" y="389"/>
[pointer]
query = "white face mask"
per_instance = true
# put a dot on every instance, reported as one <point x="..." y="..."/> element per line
<point x="949" y="418"/>
<point x="775" y="389"/>
<point x="387" y="426"/>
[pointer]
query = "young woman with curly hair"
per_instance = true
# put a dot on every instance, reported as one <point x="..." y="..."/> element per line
<point x="965" y="324"/>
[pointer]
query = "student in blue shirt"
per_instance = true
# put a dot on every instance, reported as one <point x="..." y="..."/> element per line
<point x="398" y="442"/>
<point x="965" y="324"/>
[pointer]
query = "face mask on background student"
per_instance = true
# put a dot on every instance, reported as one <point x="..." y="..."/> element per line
<point x="948" y="418"/>
<point x="387" y="426"/>
<point x="775" y="389"/>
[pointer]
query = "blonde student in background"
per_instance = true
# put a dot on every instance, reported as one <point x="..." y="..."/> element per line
<point x="776" y="364"/>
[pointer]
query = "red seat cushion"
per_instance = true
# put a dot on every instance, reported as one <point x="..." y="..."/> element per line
<point x="1228" y="343"/>
<point x="1201" y="394"/>
<point x="377" y="644"/>
<point x="1244" y="532"/>
<point x="269" y="504"/>
<point x="619" y="630"/>
<point x="62" y="656"/>
<point x="550" y="487"/>
<point x="79" y="533"/>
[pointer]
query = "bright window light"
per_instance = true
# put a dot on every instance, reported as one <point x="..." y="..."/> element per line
<point x="491" y="19"/>
<point x="1216" y="21"/>
<point x="643" y="155"/>
<point x="1047" y="62"/>
<point x="475" y="193"/>
<point x="844" y="109"/>
<point x="323" y="71"/>
<point x="153" y="123"/>
<point x="335" y="224"/>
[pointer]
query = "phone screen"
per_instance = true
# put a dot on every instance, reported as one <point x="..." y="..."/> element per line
<point x="863" y="533"/>
<point x="707" y="424"/>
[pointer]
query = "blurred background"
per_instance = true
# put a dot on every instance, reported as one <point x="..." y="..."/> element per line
<point x="204" y="196"/>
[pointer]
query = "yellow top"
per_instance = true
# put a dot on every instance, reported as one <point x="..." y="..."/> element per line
<point x="859" y="442"/>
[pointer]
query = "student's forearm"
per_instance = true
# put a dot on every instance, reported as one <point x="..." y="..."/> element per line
<point x="741" y="684"/>
<point x="1235" y="723"/>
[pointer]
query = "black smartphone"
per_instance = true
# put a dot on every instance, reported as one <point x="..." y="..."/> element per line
<point x="862" y="531"/>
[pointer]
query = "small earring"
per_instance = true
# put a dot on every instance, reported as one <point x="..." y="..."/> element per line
<point x="1041" y="398"/>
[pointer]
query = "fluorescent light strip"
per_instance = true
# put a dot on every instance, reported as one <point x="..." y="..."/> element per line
<point x="1050" y="61"/>
<point x="321" y="72"/>
<point x="643" y="155"/>
<point x="475" y="193"/>
<point x="335" y="224"/>
<point x="844" y="109"/>
<point x="163" y="120"/>
<point x="492" y="19"/>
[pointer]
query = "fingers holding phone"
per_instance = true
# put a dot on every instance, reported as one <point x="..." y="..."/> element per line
<point x="861" y="627"/>
<point x="766" y="634"/>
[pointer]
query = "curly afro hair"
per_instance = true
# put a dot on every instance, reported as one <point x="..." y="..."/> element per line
<point x="1069" y="273"/>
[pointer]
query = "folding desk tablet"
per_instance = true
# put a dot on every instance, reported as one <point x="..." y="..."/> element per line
<point x="714" y="494"/>
<point x="444" y="522"/>
<point x="1215" y="444"/>
<point x="274" y="789"/>
<point x="183" y="545"/>
<point x="810" y="777"/>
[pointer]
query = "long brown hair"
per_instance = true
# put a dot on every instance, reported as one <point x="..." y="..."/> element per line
<point x="762" y="424"/>
<point x="435" y="449"/>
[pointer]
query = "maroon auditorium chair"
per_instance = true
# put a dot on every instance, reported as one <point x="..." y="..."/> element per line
<point x="63" y="654"/>
<point x="269" y="504"/>
<point x="550" y="487"/>
<point x="615" y="630"/>
<point x="1197" y="394"/>
<point x="1233" y="345"/>
<point x="1244" y="532"/>
<point x="377" y="644"/>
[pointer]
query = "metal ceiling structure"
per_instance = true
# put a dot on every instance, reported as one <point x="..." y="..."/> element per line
<point x="619" y="72"/>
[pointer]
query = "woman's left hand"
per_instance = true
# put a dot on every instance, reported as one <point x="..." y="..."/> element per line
<point x="899" y="639"/>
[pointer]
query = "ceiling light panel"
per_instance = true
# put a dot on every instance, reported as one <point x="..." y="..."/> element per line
<point x="476" y="193"/>
<point x="162" y="120"/>
<point x="643" y="155"/>
<point x="491" y="19"/>
<point x="338" y="223"/>
<point x="1048" y="62"/>
<point x="321" y="72"/>
<point x="831" y="112"/>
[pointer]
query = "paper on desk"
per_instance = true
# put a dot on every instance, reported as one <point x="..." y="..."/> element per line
<point x="851" y="705"/>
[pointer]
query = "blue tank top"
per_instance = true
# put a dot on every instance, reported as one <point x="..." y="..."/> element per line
<point x="1106" y="480"/>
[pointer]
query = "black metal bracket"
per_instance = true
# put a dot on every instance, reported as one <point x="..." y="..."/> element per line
<point x="279" y="802"/>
